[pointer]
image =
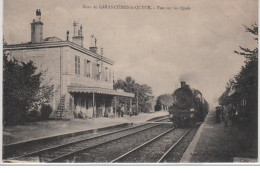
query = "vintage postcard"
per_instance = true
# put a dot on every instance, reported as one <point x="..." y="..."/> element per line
<point x="130" y="82"/>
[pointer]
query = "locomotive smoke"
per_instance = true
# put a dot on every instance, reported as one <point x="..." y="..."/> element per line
<point x="196" y="80"/>
<point x="188" y="77"/>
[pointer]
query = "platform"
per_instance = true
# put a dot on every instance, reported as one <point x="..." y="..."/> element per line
<point x="38" y="130"/>
<point x="215" y="143"/>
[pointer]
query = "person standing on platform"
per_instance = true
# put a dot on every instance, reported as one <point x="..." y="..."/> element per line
<point x="122" y="110"/>
<point x="231" y="113"/>
<point x="226" y="115"/>
<point x="118" y="110"/>
<point x="218" y="120"/>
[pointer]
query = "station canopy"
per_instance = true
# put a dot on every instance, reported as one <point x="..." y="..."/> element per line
<point x="81" y="89"/>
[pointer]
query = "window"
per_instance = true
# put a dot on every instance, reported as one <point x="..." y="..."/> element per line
<point x="93" y="69"/>
<point x="98" y="72"/>
<point x="77" y="65"/>
<point x="103" y="77"/>
<point x="86" y="68"/>
<point x="106" y="74"/>
<point x="110" y="76"/>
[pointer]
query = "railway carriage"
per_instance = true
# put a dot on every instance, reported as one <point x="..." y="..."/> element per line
<point x="189" y="107"/>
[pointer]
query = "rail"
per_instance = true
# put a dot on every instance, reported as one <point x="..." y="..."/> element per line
<point x="172" y="147"/>
<point x="142" y="145"/>
<point x="38" y="152"/>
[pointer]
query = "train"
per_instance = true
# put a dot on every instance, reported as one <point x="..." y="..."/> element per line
<point x="189" y="107"/>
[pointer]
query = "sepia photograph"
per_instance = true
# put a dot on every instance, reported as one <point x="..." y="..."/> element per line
<point x="129" y="82"/>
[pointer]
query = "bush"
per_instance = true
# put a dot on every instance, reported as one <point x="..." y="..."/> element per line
<point x="24" y="90"/>
<point x="12" y="114"/>
<point x="33" y="116"/>
<point x="46" y="111"/>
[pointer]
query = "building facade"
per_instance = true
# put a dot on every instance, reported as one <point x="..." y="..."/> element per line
<point x="82" y="78"/>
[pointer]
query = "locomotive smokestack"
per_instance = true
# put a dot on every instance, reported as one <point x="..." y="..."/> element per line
<point x="183" y="84"/>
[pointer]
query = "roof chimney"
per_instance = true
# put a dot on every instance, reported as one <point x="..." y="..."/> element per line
<point x="37" y="28"/>
<point x="93" y="48"/>
<point x="78" y="34"/>
<point x="38" y="15"/>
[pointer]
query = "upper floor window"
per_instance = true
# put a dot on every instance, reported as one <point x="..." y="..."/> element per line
<point x="77" y="65"/>
<point x="98" y="72"/>
<point x="109" y="75"/>
<point x="86" y="68"/>
<point x="106" y="74"/>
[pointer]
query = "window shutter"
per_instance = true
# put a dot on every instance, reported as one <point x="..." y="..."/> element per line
<point x="109" y="78"/>
<point x="88" y="68"/>
<point x="103" y="74"/>
<point x="94" y="66"/>
<point x="85" y="67"/>
<point x="78" y="65"/>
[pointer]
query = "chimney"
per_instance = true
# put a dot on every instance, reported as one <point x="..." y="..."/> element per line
<point x="93" y="48"/>
<point x="78" y="34"/>
<point x="37" y="28"/>
<point x="183" y="84"/>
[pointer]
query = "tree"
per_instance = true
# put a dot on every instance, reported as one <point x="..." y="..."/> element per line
<point x="164" y="101"/>
<point x="24" y="89"/>
<point x="245" y="83"/>
<point x="247" y="79"/>
<point x="143" y="93"/>
<point x="224" y="99"/>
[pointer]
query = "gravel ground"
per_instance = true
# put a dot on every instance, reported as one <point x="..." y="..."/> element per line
<point x="221" y="144"/>
<point x="114" y="149"/>
<point x="176" y="154"/>
<point x="152" y="152"/>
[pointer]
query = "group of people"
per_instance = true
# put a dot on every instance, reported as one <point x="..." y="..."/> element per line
<point x="227" y="114"/>
<point x="120" y="110"/>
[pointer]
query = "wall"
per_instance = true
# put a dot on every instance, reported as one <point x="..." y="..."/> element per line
<point x="69" y="76"/>
<point x="55" y="59"/>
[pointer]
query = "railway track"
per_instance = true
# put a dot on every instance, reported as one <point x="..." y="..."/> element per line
<point x="62" y="150"/>
<point x="176" y="152"/>
<point x="154" y="145"/>
<point x="15" y="150"/>
<point x="105" y="152"/>
<point x="154" y="149"/>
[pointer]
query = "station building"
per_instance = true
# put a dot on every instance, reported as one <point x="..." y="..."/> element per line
<point x="82" y="78"/>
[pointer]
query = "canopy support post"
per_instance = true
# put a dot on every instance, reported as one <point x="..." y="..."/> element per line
<point x="93" y="101"/>
<point x="115" y="106"/>
<point x="130" y="109"/>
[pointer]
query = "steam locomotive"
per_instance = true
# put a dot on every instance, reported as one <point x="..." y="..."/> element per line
<point x="189" y="107"/>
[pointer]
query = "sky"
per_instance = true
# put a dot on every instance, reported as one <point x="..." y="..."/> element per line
<point x="155" y="47"/>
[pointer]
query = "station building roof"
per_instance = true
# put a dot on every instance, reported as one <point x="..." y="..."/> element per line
<point x="56" y="42"/>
